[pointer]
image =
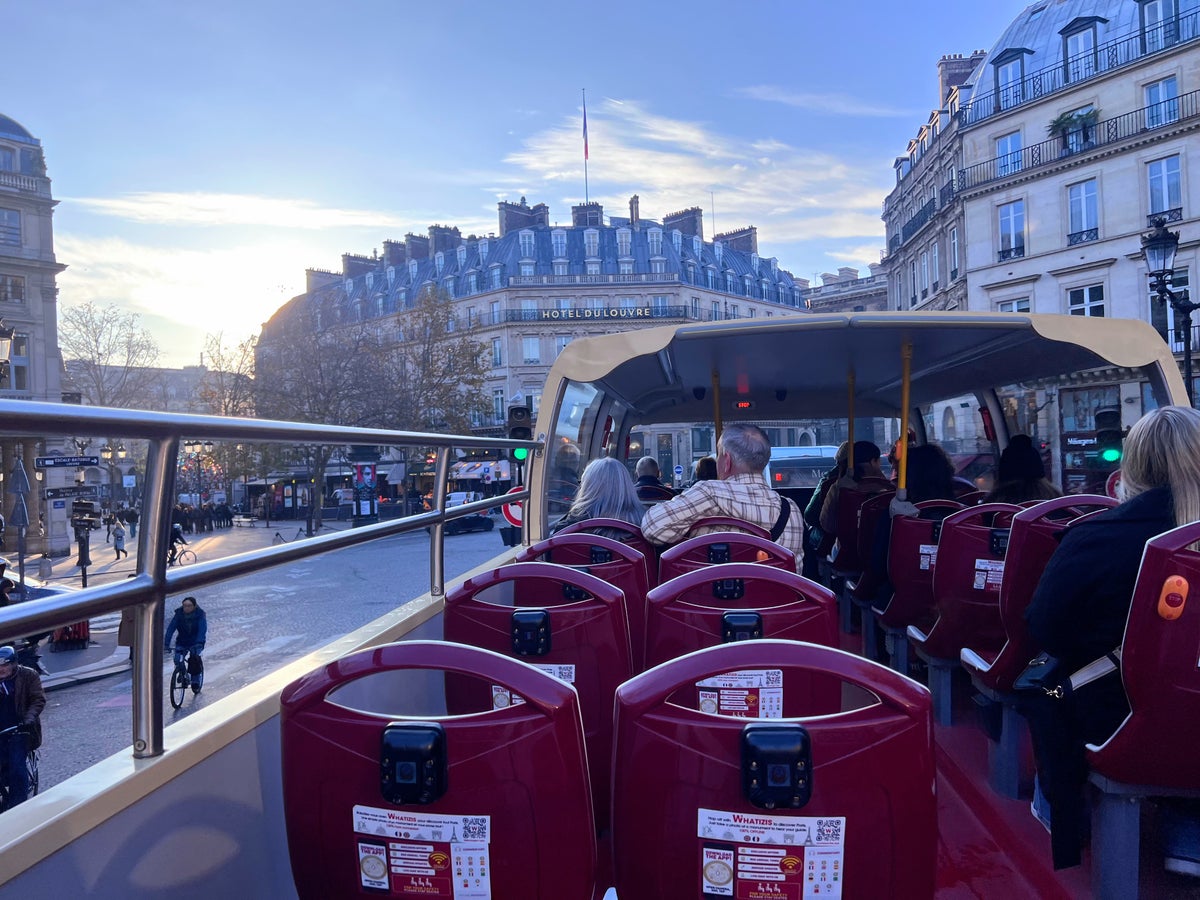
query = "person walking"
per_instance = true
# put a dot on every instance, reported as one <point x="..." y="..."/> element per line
<point x="22" y="700"/>
<point x="118" y="539"/>
<point x="131" y="517"/>
<point x="190" y="623"/>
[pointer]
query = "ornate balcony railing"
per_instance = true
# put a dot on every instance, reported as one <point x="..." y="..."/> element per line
<point x="31" y="184"/>
<point x="1083" y="237"/>
<point x="639" y="278"/>
<point x="917" y="222"/>
<point x="1080" y="140"/>
<point x="1167" y="215"/>
<point x="1108" y="56"/>
<point x="1011" y="253"/>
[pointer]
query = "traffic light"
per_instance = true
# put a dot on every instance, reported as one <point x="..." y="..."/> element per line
<point x="1109" y="436"/>
<point x="520" y="423"/>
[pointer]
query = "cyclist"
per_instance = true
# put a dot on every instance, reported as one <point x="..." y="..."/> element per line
<point x="21" y="703"/>
<point x="174" y="543"/>
<point x="192" y="626"/>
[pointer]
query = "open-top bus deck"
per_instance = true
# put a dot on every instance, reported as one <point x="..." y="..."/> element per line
<point x="198" y="808"/>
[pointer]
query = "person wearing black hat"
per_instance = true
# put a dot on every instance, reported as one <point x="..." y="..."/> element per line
<point x="1021" y="475"/>
<point x="21" y="703"/>
<point x="867" y="477"/>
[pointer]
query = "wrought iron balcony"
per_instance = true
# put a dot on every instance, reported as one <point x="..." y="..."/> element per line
<point x="917" y="222"/>
<point x="1011" y="253"/>
<point x="1083" y="237"/>
<point x="1070" y="72"/>
<point x="1108" y="131"/>
<point x="1167" y="215"/>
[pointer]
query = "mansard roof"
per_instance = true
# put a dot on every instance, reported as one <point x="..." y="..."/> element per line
<point x="10" y="128"/>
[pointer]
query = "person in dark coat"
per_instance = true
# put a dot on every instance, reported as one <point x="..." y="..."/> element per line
<point x="1079" y="608"/>
<point x="650" y="488"/>
<point x="1021" y="475"/>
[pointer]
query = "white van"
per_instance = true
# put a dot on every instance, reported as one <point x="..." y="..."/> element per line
<point x="799" y="467"/>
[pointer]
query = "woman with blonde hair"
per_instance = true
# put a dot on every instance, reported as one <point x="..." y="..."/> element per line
<point x="606" y="491"/>
<point x="1079" y="609"/>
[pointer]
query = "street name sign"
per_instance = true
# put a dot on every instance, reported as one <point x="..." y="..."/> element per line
<point x="43" y="462"/>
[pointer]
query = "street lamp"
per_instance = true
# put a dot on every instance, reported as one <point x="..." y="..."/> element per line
<point x="198" y="449"/>
<point x="1159" y="247"/>
<point x="107" y="452"/>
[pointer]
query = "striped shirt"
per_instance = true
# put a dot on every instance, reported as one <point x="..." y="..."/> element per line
<point x="743" y="496"/>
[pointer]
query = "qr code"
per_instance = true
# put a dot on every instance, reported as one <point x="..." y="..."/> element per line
<point x="829" y="831"/>
<point x="474" y="828"/>
<point x="774" y="677"/>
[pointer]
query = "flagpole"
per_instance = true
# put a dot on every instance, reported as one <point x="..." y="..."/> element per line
<point x="585" y="147"/>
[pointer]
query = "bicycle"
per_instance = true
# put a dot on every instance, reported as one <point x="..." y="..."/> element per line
<point x="32" y="759"/>
<point x="300" y="533"/>
<point x="184" y="557"/>
<point x="181" y="679"/>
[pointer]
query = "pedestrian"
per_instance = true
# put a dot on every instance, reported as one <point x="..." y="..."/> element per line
<point x="118" y="539"/>
<point x="131" y="516"/>
<point x="109" y="521"/>
<point x="22" y="700"/>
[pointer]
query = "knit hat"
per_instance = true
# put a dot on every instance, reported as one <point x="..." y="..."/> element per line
<point x="1020" y="461"/>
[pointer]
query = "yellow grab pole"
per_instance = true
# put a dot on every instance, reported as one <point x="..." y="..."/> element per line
<point x="716" y="389"/>
<point x="905" y="386"/>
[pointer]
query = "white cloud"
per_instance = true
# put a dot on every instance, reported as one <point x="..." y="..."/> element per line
<point x="166" y="208"/>
<point x="824" y="103"/>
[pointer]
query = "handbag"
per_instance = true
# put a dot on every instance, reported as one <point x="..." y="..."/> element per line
<point x="1041" y="674"/>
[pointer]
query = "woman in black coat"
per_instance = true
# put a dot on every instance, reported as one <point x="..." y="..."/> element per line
<point x="1079" y="609"/>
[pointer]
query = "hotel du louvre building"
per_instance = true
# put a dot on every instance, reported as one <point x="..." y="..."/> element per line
<point x="1029" y="187"/>
<point x="528" y="290"/>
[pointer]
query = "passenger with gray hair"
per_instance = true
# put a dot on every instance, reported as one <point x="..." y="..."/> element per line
<point x="605" y="492"/>
<point x="740" y="492"/>
<point x="650" y="488"/>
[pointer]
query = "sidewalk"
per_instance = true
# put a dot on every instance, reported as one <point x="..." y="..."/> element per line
<point x="103" y="656"/>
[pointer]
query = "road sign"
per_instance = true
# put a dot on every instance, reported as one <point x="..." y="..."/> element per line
<point x="512" y="511"/>
<point x="85" y="492"/>
<point x="45" y="462"/>
<point x="679" y="471"/>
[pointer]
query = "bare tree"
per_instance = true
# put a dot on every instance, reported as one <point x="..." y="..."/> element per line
<point x="108" y="355"/>
<point x="227" y="388"/>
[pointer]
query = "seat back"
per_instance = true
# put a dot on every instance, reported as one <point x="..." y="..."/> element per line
<point x="1156" y="744"/>
<point x="516" y="795"/>
<point x="562" y="620"/>
<point x="870" y="513"/>
<point x="970" y="498"/>
<point x="722" y="547"/>
<point x="688" y="779"/>
<point x="619" y="564"/>
<point x="849" y="503"/>
<point x="729" y="523"/>
<point x="1031" y="542"/>
<point x="630" y="534"/>
<point x="912" y="558"/>
<point x="967" y="578"/>
<point x="692" y="611"/>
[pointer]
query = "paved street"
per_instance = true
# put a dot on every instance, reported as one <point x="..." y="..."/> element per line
<point x="256" y="624"/>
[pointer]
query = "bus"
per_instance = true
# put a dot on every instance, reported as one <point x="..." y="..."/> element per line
<point x="198" y="807"/>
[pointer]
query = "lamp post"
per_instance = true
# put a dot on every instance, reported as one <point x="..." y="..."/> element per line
<point x="107" y="452"/>
<point x="1159" y="247"/>
<point x="198" y="449"/>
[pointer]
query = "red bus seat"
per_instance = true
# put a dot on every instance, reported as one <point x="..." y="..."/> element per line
<point x="554" y="616"/>
<point x="613" y="561"/>
<point x="728" y="523"/>
<point x="630" y="534"/>
<point x="689" y="612"/>
<point x="966" y="592"/>
<point x="515" y="781"/>
<point x="1031" y="542"/>
<point x="722" y="547"/>
<point x="1153" y="752"/>
<point x="870" y="513"/>
<point x="844" y="560"/>
<point x="855" y="810"/>
<point x="912" y="557"/>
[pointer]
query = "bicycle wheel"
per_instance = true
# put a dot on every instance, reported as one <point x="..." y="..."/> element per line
<point x="31" y="763"/>
<point x="179" y="686"/>
<point x="186" y="557"/>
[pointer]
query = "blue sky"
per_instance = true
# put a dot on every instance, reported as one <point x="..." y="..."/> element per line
<point x="205" y="154"/>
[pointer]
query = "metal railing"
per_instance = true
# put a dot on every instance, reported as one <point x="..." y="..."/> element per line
<point x="146" y="592"/>
<point x="1082" y="139"/>
<point x="1074" y="70"/>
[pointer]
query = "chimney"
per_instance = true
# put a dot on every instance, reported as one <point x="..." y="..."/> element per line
<point x="395" y="253"/>
<point x="587" y="215"/>
<point x="690" y="222"/>
<point x="634" y="215"/>
<point x="418" y="246"/>
<point x="954" y="71"/>
<point x="355" y="264"/>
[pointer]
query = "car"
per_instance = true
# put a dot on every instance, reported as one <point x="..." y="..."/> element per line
<point x="473" y="522"/>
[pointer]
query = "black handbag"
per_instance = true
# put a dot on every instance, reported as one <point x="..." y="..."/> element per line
<point x="1041" y="674"/>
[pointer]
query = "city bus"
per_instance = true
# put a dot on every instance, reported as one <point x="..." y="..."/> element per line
<point x="198" y="808"/>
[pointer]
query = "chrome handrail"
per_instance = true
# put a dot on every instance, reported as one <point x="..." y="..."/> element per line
<point x="145" y="593"/>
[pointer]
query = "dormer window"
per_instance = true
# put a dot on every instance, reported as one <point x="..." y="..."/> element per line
<point x="483" y="251"/>
<point x="696" y="246"/>
<point x="730" y="283"/>
<point x="1009" y="73"/>
<point x="526" y="244"/>
<point x="754" y="263"/>
<point x="391" y="275"/>
<point x="654" y="238"/>
<point x="718" y="250"/>
<point x="462" y="256"/>
<point x="412" y="270"/>
<point x="677" y="240"/>
<point x="349" y="286"/>
<point x="1160" y="24"/>
<point x="558" y="243"/>
<point x="449" y="287"/>
<point x="439" y="261"/>
<point x="370" y="280"/>
<point x="1079" y="48"/>
<point x="497" y="274"/>
<point x="711" y="277"/>
<point x="472" y="282"/>
<point x="591" y="242"/>
<point x="623" y="241"/>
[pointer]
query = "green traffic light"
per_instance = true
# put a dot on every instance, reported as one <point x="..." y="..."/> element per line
<point x="1111" y="454"/>
<point x="520" y="453"/>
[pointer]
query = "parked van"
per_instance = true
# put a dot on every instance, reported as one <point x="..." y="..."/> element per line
<point x="799" y="467"/>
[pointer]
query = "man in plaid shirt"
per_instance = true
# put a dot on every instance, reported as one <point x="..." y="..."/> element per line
<point x="740" y="492"/>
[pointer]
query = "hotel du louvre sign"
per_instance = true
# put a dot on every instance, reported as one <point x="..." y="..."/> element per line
<point x="607" y="312"/>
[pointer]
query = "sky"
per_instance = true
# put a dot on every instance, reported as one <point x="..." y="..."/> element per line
<point x="204" y="155"/>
